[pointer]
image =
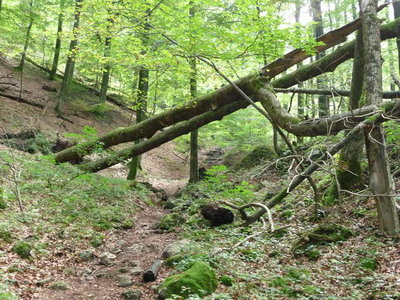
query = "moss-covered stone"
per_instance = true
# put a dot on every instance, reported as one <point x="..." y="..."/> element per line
<point x="170" y="221"/>
<point x="199" y="280"/>
<point x="255" y="157"/>
<point x="321" y="235"/>
<point x="23" y="249"/>
<point x="226" y="280"/>
<point x="6" y="236"/>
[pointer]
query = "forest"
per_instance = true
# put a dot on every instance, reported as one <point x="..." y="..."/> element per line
<point x="215" y="149"/>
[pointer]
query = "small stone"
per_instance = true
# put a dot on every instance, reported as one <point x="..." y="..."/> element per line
<point x="176" y="248"/>
<point x="137" y="271"/>
<point x="116" y="251"/>
<point x="132" y="294"/>
<point x="100" y="274"/>
<point x="124" y="281"/>
<point x="86" y="255"/>
<point x="122" y="244"/>
<point x="59" y="286"/>
<point x="90" y="278"/>
<point x="107" y="258"/>
<point x="133" y="263"/>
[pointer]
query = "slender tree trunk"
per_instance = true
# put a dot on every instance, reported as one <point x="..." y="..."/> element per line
<point x="57" y="48"/>
<point x="396" y="9"/>
<point x="1" y="5"/>
<point x="27" y="36"/>
<point x="300" y="98"/>
<point x="380" y="179"/>
<point x="70" y="65"/>
<point x="323" y="101"/>
<point x="142" y="94"/>
<point x="194" y="135"/>
<point x="107" y="68"/>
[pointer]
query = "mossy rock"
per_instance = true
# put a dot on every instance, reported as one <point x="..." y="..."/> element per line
<point x="226" y="280"/>
<point x="170" y="221"/>
<point x="255" y="158"/>
<point x="23" y="249"/>
<point x="6" y="236"/>
<point x="199" y="280"/>
<point x="321" y="235"/>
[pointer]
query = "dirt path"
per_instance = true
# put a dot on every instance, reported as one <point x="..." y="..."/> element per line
<point x="135" y="248"/>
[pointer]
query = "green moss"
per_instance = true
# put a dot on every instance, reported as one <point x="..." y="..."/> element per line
<point x="226" y="280"/>
<point x="23" y="249"/>
<point x="170" y="221"/>
<point x="321" y="235"/>
<point x="369" y="263"/>
<point x="313" y="254"/>
<point x="199" y="280"/>
<point x="255" y="157"/>
<point x="6" y="236"/>
<point x="97" y="240"/>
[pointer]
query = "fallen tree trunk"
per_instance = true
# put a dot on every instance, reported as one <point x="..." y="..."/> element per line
<point x="332" y="92"/>
<point x="161" y="138"/>
<point x="224" y="96"/>
<point x="22" y="100"/>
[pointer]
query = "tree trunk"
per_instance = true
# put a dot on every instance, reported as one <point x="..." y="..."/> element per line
<point x="396" y="9"/>
<point x="227" y="95"/>
<point x="323" y="101"/>
<point x="194" y="135"/>
<point x="380" y="180"/>
<point x="70" y="65"/>
<point x="300" y="97"/>
<point x="107" y="68"/>
<point x="27" y="36"/>
<point x="141" y="106"/>
<point x="57" y="48"/>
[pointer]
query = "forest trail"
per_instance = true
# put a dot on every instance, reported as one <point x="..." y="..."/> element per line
<point x="135" y="250"/>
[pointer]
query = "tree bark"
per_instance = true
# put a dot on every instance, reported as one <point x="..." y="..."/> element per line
<point x="141" y="105"/>
<point x="380" y="179"/>
<point x="57" y="48"/>
<point x="27" y="36"/>
<point x="227" y="95"/>
<point x="333" y="92"/>
<point x="70" y="65"/>
<point x="107" y="53"/>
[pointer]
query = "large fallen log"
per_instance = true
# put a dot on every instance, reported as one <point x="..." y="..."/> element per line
<point x="224" y="96"/>
<point x="332" y="92"/>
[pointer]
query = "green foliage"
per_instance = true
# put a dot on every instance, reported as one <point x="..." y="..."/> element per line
<point x="88" y="134"/>
<point x="23" y="249"/>
<point x="5" y="235"/>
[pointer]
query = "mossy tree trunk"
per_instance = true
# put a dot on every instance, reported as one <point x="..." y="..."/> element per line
<point x="380" y="178"/>
<point x="57" y="48"/>
<point x="70" y="65"/>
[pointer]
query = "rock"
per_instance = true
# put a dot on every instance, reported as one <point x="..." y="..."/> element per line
<point x="122" y="244"/>
<point x="136" y="271"/>
<point x="132" y="294"/>
<point x="86" y="255"/>
<point x="217" y="215"/>
<point x="199" y="280"/>
<point x="23" y="249"/>
<point x="170" y="221"/>
<point x="116" y="251"/>
<point x="123" y="270"/>
<point x="59" y="286"/>
<point x="124" y="281"/>
<point x="133" y="263"/>
<point x="107" y="258"/>
<point x="176" y="248"/>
